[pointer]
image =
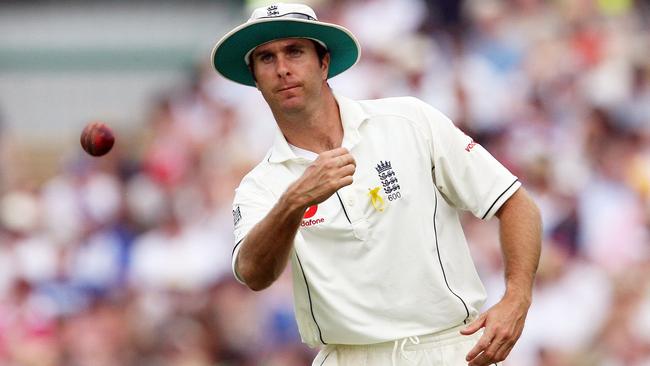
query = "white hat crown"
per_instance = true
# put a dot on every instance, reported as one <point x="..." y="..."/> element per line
<point x="281" y="10"/>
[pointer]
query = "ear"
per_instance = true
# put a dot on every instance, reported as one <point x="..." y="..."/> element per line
<point x="325" y="67"/>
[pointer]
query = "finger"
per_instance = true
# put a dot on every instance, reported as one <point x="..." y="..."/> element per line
<point x="341" y="150"/>
<point x="480" y="346"/>
<point x="507" y="343"/>
<point x="347" y="170"/>
<point x="475" y="325"/>
<point x="503" y="350"/>
<point x="334" y="152"/>
<point x="489" y="354"/>
<point x="345" y="181"/>
<point x="481" y="360"/>
<point x="496" y="352"/>
<point x="345" y="160"/>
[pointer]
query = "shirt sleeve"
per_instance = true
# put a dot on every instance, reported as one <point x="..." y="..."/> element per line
<point x="466" y="174"/>
<point x="251" y="204"/>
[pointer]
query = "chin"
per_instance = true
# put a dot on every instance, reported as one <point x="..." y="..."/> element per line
<point x="292" y="104"/>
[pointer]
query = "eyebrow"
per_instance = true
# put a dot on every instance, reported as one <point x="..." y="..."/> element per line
<point x="290" y="46"/>
<point x="257" y="54"/>
<point x="294" y="45"/>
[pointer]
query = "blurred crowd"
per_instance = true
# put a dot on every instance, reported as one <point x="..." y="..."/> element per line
<point x="125" y="259"/>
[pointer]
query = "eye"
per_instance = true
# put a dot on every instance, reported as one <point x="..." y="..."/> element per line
<point x="265" y="57"/>
<point x="295" y="52"/>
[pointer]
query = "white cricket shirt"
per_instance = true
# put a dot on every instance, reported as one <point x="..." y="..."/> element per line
<point x="365" y="273"/>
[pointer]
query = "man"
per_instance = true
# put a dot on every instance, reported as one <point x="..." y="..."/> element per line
<point x="363" y="198"/>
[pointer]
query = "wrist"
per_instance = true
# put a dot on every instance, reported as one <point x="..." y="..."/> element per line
<point x="292" y="203"/>
<point x="523" y="298"/>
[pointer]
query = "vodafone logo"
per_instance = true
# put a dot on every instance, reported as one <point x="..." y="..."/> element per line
<point x="470" y="146"/>
<point x="311" y="211"/>
<point x="307" y="218"/>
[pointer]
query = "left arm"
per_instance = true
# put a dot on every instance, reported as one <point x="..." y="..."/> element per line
<point x="520" y="230"/>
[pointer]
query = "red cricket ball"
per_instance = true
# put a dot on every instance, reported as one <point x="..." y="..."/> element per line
<point x="97" y="139"/>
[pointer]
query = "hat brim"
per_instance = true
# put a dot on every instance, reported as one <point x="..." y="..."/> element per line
<point x="228" y="54"/>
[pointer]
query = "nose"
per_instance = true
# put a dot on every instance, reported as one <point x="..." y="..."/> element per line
<point x="282" y="67"/>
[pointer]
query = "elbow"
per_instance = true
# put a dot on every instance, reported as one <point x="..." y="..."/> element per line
<point x="258" y="284"/>
<point x="253" y="279"/>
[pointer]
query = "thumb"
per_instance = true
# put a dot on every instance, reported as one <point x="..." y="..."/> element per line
<point x="475" y="325"/>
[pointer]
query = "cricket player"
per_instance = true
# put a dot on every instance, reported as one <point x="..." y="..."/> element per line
<point x="363" y="199"/>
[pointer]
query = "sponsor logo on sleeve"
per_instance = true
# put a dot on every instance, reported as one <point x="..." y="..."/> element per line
<point x="470" y="146"/>
<point x="236" y="215"/>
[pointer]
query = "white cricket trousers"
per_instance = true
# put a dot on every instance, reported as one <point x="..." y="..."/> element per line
<point x="445" y="348"/>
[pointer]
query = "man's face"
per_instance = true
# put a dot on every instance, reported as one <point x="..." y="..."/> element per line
<point x="289" y="73"/>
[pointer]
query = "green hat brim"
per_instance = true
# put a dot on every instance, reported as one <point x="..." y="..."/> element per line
<point x="229" y="53"/>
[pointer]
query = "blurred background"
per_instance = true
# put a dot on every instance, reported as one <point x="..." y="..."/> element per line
<point x="125" y="259"/>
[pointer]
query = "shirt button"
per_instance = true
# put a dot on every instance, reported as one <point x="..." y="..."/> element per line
<point x="350" y="201"/>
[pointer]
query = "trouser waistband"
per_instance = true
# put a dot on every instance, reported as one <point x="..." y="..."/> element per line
<point x="431" y="340"/>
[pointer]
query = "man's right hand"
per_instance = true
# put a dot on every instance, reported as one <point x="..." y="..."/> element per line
<point x="332" y="170"/>
<point x="265" y="250"/>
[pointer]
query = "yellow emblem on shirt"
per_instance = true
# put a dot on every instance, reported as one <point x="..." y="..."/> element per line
<point x="376" y="199"/>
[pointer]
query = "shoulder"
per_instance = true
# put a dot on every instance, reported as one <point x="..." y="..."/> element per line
<point x="407" y="107"/>
<point x="253" y="180"/>
<point x="389" y="105"/>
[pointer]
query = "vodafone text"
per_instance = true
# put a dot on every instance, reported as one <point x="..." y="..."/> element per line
<point x="312" y="222"/>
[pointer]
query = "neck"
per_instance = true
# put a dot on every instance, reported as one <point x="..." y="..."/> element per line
<point x="316" y="128"/>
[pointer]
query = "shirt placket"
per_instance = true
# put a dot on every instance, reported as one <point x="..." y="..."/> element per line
<point x="352" y="205"/>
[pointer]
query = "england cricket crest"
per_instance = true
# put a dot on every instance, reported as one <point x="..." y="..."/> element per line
<point x="388" y="180"/>
<point x="272" y="11"/>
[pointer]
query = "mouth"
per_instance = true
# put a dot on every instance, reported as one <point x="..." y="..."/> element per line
<point x="290" y="87"/>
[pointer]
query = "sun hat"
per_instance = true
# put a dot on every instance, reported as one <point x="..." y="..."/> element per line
<point x="230" y="54"/>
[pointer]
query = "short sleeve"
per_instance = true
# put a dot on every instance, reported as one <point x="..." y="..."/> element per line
<point x="466" y="174"/>
<point x="251" y="204"/>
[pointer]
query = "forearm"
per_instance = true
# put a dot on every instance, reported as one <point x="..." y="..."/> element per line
<point x="265" y="250"/>
<point x="520" y="230"/>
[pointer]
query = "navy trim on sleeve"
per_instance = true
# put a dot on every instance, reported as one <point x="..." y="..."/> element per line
<point x="236" y="245"/>
<point x="325" y="359"/>
<point x="497" y="200"/>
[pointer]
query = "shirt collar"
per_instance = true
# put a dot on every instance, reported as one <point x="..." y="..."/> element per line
<point x="352" y="116"/>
